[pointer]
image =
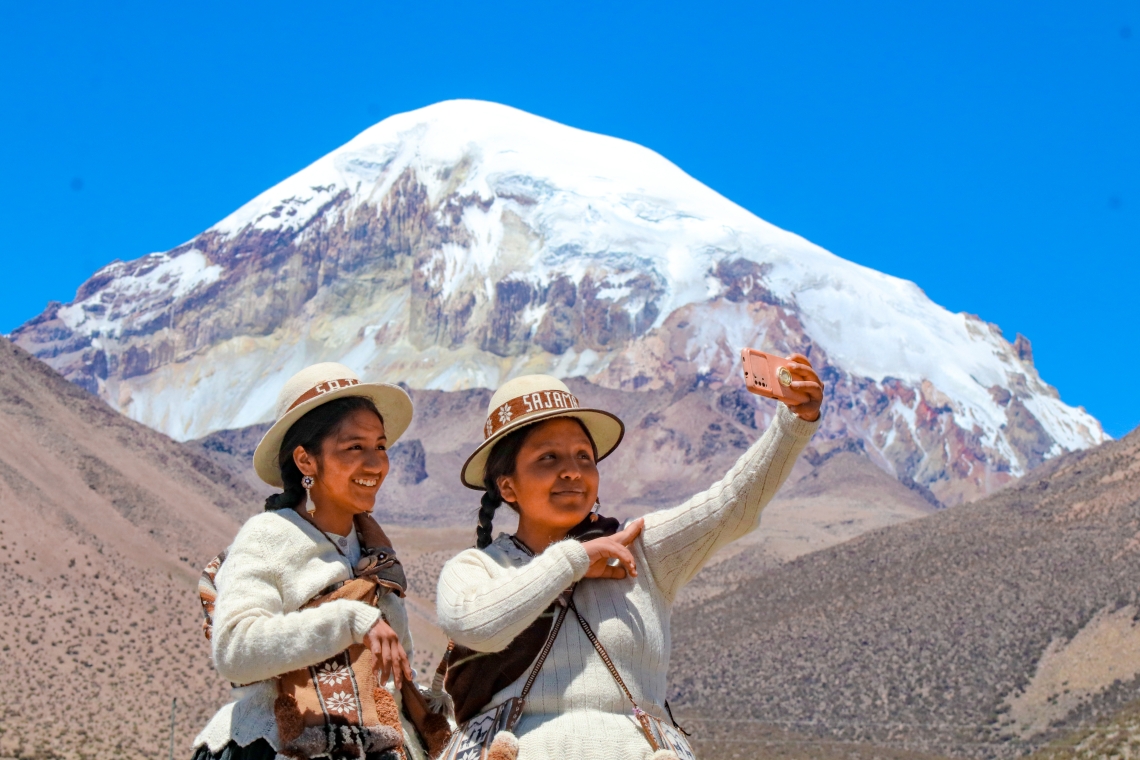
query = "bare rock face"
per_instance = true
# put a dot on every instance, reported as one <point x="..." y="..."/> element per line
<point x="408" y="460"/>
<point x="454" y="247"/>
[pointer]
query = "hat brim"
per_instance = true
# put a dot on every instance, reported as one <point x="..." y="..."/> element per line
<point x="392" y="401"/>
<point x="605" y="428"/>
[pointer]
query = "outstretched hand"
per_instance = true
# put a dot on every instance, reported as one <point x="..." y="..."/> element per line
<point x="389" y="660"/>
<point x="602" y="550"/>
<point x="808" y="382"/>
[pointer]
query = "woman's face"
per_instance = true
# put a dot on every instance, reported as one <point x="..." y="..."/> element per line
<point x="555" y="483"/>
<point x="352" y="464"/>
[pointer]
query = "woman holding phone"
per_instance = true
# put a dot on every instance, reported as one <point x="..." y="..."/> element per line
<point x="593" y="688"/>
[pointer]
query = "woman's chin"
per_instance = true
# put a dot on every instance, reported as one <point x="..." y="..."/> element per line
<point x="569" y="517"/>
<point x="365" y="507"/>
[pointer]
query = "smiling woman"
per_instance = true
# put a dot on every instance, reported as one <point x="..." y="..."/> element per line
<point x="306" y="606"/>
<point x="524" y="685"/>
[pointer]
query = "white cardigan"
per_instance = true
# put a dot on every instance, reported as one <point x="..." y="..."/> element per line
<point x="575" y="708"/>
<point x="276" y="564"/>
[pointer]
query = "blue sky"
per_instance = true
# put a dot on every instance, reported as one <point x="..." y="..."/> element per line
<point x="990" y="152"/>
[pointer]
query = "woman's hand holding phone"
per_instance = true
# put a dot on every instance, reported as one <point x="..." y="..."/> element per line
<point x="792" y="381"/>
<point x="806" y="381"/>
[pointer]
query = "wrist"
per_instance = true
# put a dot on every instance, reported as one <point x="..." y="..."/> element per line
<point x="578" y="557"/>
<point x="364" y="618"/>
<point x="792" y="423"/>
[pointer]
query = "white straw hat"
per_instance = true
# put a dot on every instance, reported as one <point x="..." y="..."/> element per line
<point x="529" y="399"/>
<point x="319" y="384"/>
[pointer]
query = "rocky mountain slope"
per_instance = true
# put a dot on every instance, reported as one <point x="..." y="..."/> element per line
<point x="458" y="245"/>
<point x="103" y="526"/>
<point x="982" y="631"/>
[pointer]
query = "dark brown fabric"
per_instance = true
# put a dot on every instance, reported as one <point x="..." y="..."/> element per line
<point x="473" y="678"/>
<point x="433" y="728"/>
<point x="378" y="558"/>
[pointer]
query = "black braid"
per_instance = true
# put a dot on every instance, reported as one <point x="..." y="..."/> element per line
<point x="487" y="505"/>
<point x="501" y="461"/>
<point x="310" y="433"/>
<point x="294" y="493"/>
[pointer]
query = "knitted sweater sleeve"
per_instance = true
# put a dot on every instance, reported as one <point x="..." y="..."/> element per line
<point x="679" y="541"/>
<point x="255" y="638"/>
<point x="483" y="605"/>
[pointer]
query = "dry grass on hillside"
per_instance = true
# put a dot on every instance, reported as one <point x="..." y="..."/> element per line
<point x="974" y="632"/>
<point x="103" y="524"/>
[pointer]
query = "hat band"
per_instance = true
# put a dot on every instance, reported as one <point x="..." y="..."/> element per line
<point x="526" y="406"/>
<point x="320" y="389"/>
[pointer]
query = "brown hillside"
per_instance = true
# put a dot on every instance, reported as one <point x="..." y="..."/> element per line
<point x="986" y="630"/>
<point x="103" y="526"/>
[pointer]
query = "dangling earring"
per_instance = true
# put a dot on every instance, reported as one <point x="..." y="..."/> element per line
<point x="594" y="511"/>
<point x="307" y="483"/>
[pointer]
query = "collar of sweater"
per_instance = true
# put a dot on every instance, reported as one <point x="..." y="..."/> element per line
<point x="505" y="544"/>
<point x="297" y="533"/>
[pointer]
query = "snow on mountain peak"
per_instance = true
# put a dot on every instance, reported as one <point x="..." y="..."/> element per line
<point x="466" y="242"/>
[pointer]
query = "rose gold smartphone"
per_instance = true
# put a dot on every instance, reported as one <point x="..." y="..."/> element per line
<point x="768" y="375"/>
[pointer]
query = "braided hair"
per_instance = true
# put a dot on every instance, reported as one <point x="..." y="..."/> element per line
<point x="310" y="433"/>
<point x="501" y="462"/>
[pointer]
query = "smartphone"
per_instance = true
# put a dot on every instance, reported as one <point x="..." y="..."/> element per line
<point x="769" y="375"/>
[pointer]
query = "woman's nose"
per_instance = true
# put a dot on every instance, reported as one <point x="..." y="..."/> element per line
<point x="376" y="461"/>
<point x="571" y="471"/>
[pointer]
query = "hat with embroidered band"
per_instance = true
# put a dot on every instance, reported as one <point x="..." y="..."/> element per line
<point x="529" y="399"/>
<point x="320" y="384"/>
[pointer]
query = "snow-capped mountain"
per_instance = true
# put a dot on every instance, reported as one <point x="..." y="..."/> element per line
<point x="467" y="242"/>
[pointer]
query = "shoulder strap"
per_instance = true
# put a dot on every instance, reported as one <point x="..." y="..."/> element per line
<point x="602" y="651"/>
<point x="641" y="716"/>
<point x="565" y="602"/>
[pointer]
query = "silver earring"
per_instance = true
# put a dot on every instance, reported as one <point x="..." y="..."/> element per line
<point x="594" y="511"/>
<point x="307" y="483"/>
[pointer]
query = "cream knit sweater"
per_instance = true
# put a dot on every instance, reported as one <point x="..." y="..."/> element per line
<point x="276" y="564"/>
<point x="576" y="709"/>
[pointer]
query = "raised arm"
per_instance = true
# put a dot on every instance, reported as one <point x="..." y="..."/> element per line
<point x="255" y="639"/>
<point x="483" y="605"/>
<point x="678" y="542"/>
